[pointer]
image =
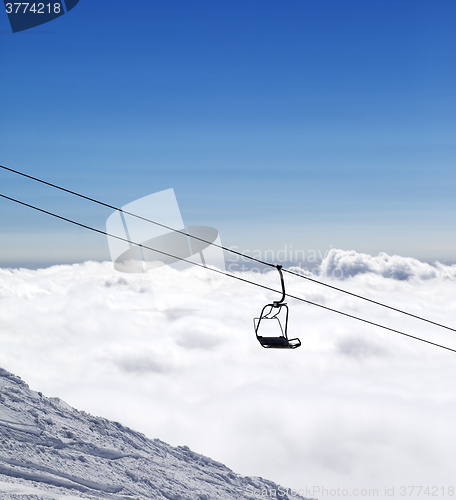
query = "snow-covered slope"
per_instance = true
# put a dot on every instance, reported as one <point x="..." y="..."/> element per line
<point x="50" y="450"/>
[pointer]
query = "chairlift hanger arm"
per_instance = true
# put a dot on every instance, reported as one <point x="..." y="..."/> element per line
<point x="278" y="302"/>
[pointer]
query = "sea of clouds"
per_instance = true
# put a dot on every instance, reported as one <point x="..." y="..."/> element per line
<point x="355" y="407"/>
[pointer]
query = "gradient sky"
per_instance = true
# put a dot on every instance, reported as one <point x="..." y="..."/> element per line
<point x="298" y="123"/>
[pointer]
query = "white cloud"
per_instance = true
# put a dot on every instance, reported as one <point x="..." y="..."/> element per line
<point x="355" y="406"/>
<point x="342" y="264"/>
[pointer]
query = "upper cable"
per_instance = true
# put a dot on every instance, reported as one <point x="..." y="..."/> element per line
<point x="289" y="271"/>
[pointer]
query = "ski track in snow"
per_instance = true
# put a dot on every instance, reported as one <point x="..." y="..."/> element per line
<point x="49" y="450"/>
<point x="15" y="490"/>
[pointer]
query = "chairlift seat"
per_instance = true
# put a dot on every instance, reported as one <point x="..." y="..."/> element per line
<point x="272" y="312"/>
<point x="279" y="342"/>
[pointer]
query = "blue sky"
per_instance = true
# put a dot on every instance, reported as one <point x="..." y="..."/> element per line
<point x="298" y="123"/>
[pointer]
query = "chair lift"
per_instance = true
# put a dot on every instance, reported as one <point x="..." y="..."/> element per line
<point x="271" y="312"/>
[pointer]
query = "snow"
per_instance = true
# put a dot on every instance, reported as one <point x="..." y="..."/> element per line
<point x="49" y="450"/>
<point x="9" y="490"/>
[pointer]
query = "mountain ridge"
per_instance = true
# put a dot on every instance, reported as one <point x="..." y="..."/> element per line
<point x="50" y="450"/>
